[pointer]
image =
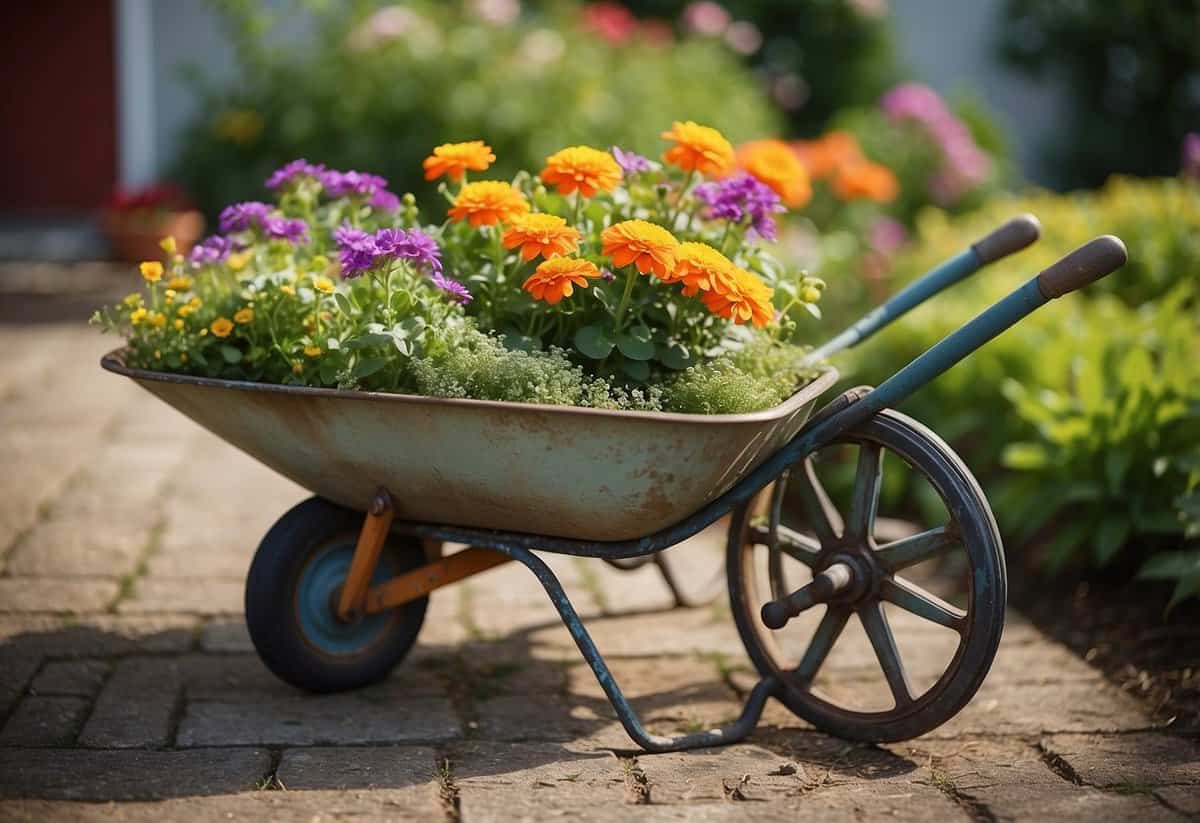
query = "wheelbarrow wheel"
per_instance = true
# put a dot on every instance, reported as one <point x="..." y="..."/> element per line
<point x="291" y="599"/>
<point x="858" y="572"/>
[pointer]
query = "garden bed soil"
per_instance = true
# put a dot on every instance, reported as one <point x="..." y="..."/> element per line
<point x="1121" y="628"/>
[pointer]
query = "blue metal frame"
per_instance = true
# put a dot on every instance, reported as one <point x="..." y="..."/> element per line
<point x="892" y="391"/>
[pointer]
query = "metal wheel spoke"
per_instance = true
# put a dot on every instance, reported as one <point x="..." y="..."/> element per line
<point x="860" y="521"/>
<point x="799" y="547"/>
<point x="916" y="600"/>
<point x="910" y="551"/>
<point x="875" y="623"/>
<point x="822" y="516"/>
<point x="827" y="633"/>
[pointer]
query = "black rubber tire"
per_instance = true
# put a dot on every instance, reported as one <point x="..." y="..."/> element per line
<point x="932" y="457"/>
<point x="272" y="611"/>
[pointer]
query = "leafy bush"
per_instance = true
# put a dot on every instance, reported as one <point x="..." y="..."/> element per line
<point x="1091" y="404"/>
<point x="1130" y="69"/>
<point x="372" y="82"/>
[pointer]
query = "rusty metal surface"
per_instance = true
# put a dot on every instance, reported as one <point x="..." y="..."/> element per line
<point x="562" y="471"/>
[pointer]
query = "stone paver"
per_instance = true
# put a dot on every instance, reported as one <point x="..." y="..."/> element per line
<point x="129" y="688"/>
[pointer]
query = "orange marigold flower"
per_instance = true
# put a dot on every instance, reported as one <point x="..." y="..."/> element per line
<point x="773" y="163"/>
<point x="698" y="148"/>
<point x="541" y="233"/>
<point x="868" y="180"/>
<point x="747" y="300"/>
<point x="581" y="168"/>
<point x="649" y="247"/>
<point x="825" y="155"/>
<point x="454" y="159"/>
<point x="488" y="202"/>
<point x="221" y="327"/>
<point x="557" y="277"/>
<point x="700" y="267"/>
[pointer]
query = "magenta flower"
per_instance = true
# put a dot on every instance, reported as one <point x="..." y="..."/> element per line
<point x="356" y="250"/>
<point x="212" y="250"/>
<point x="243" y="216"/>
<point x="742" y="198"/>
<point x="631" y="162"/>
<point x="1191" y="155"/>
<point x="282" y="228"/>
<point x="291" y="172"/>
<point x="384" y="200"/>
<point x="413" y="246"/>
<point x="352" y="184"/>
<point x="457" y="291"/>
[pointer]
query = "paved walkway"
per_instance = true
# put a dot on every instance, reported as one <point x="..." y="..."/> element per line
<point x="129" y="690"/>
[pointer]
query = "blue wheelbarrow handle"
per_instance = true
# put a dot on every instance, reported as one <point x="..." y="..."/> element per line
<point x="1013" y="236"/>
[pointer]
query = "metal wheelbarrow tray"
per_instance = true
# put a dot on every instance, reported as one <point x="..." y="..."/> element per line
<point x="335" y="598"/>
<point x="588" y="474"/>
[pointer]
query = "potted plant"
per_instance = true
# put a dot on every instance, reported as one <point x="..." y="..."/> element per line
<point x="135" y="221"/>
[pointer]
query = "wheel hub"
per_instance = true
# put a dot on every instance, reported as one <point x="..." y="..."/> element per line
<point x="848" y="575"/>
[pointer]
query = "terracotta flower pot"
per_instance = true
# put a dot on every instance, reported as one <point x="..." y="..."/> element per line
<point x="135" y="235"/>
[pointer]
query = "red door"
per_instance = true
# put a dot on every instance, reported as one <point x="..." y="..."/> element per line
<point x="58" y="146"/>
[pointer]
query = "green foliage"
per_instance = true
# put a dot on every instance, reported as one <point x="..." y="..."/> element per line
<point x="761" y="375"/>
<point x="818" y="56"/>
<point x="1130" y="69"/>
<point x="362" y="100"/>
<point x="1092" y="404"/>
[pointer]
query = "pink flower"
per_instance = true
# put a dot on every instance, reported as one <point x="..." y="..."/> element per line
<point x="706" y="18"/>
<point x="612" y="22"/>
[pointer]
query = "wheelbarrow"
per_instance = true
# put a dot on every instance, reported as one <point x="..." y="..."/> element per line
<point x="338" y="588"/>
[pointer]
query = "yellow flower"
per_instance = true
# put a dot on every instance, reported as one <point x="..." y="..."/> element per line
<point x="775" y="164"/>
<point x="556" y="278"/>
<point x="133" y="300"/>
<point x="698" y="148"/>
<point x="169" y="295"/>
<point x="221" y="327"/>
<point x="158" y="319"/>
<point x="238" y="261"/>
<point x="137" y="316"/>
<point x="152" y="270"/>
<point x="700" y="267"/>
<point x="195" y="302"/>
<point x="312" y="351"/>
<point x="185" y="310"/>
<point x="244" y="316"/>
<point x="178" y="324"/>
<point x="544" y="234"/>
<point x="454" y="159"/>
<point x="581" y="168"/>
<point x="203" y="332"/>
<point x="180" y="282"/>
<point x="487" y="203"/>
<point x="167" y="244"/>
<point x="648" y="246"/>
<point x="747" y="299"/>
<point x="323" y="285"/>
<point x="157" y="354"/>
<point x="297" y="368"/>
<point x="290" y="291"/>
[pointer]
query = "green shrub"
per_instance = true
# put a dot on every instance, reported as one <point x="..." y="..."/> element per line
<point x="361" y="93"/>
<point x="1087" y="414"/>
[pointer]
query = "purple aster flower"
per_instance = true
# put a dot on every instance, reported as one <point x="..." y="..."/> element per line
<point x="742" y="198"/>
<point x="631" y="162"/>
<point x="290" y="172"/>
<point x="352" y="183"/>
<point x="293" y="230"/>
<point x="212" y="250"/>
<point x="242" y="216"/>
<point x="384" y="200"/>
<point x="457" y="291"/>
<point x="356" y="250"/>
<point x="414" y="246"/>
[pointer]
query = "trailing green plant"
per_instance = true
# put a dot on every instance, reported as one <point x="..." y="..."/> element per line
<point x="370" y="81"/>
<point x="1084" y="422"/>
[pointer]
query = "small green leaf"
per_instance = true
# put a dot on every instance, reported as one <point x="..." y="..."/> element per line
<point x="515" y="341"/>
<point x="343" y="303"/>
<point x="1110" y="536"/>
<point x="635" y="349"/>
<point x="367" y="340"/>
<point x="1024" y="456"/>
<point x="368" y="366"/>
<point x="675" y="356"/>
<point x="594" y="342"/>
<point x="231" y="354"/>
<point x="199" y="359"/>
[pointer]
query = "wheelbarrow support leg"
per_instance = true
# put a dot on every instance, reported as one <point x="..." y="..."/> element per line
<point x="366" y="556"/>
<point x="742" y="727"/>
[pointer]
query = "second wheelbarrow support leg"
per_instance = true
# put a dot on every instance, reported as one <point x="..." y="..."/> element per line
<point x="625" y="712"/>
<point x="366" y="556"/>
